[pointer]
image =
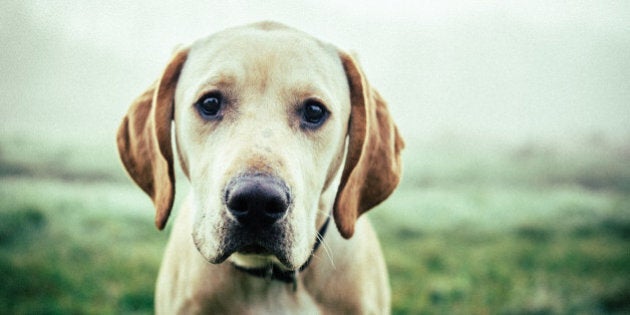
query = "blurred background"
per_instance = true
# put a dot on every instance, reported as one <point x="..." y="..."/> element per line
<point x="515" y="197"/>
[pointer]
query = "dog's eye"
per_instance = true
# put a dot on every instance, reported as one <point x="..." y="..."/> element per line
<point x="314" y="114"/>
<point x="209" y="105"/>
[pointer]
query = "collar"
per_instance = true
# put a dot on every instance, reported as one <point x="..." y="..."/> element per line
<point x="273" y="272"/>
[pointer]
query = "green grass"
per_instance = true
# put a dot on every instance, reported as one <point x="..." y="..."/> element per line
<point x="529" y="270"/>
<point x="531" y="229"/>
<point x="60" y="254"/>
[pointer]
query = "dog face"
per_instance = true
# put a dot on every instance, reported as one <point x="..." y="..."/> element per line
<point x="264" y="116"/>
<point x="273" y="124"/>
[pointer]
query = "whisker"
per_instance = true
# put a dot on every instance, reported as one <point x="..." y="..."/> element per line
<point x="326" y="250"/>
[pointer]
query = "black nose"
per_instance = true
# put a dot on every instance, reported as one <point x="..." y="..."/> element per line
<point x="257" y="200"/>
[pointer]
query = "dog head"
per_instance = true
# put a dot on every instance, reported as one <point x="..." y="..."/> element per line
<point x="273" y="129"/>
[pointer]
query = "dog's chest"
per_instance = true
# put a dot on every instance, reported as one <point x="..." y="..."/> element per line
<point x="277" y="298"/>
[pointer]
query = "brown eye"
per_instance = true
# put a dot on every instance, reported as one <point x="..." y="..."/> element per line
<point x="209" y="105"/>
<point x="313" y="114"/>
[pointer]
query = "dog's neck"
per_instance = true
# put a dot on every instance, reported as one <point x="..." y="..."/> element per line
<point x="274" y="272"/>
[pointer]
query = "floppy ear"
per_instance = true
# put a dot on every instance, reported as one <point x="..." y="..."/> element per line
<point x="373" y="167"/>
<point x="144" y="139"/>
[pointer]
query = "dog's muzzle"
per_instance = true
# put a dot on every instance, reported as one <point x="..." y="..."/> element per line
<point x="255" y="219"/>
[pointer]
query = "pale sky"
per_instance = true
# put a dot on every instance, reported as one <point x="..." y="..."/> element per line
<point x="516" y="70"/>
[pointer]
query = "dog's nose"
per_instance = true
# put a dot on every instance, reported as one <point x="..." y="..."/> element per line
<point x="258" y="200"/>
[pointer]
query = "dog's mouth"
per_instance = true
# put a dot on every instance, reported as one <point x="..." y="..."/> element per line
<point x="254" y="249"/>
<point x="271" y="248"/>
<point x="272" y="243"/>
<point x="254" y="255"/>
<point x="257" y="256"/>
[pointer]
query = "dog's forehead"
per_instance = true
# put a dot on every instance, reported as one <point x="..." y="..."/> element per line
<point x="264" y="39"/>
<point x="265" y="50"/>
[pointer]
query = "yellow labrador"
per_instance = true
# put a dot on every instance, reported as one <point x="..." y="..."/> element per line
<point x="276" y="132"/>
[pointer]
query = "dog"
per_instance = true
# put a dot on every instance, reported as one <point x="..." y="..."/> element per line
<point x="278" y="134"/>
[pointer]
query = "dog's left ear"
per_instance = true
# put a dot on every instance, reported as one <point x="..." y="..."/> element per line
<point x="144" y="139"/>
<point x="373" y="165"/>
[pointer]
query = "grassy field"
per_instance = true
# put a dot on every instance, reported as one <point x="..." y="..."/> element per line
<point x="473" y="229"/>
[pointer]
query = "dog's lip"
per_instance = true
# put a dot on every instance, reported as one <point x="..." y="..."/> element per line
<point x="256" y="249"/>
<point x="253" y="249"/>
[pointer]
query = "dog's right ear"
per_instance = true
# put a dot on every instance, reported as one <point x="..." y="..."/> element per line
<point x="144" y="139"/>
